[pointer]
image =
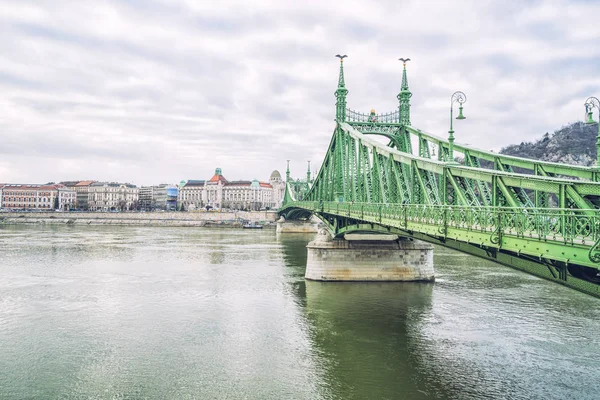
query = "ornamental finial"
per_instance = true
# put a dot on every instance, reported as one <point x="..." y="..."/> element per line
<point x="404" y="96"/>
<point x="341" y="92"/>
<point x="404" y="79"/>
<point x="341" y="83"/>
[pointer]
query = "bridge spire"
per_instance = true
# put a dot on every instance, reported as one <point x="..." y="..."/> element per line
<point x="308" y="174"/>
<point x="404" y="96"/>
<point x="340" y="93"/>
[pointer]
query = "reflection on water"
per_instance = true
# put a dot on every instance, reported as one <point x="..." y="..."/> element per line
<point x="481" y="331"/>
<point x="364" y="333"/>
<point x="187" y="313"/>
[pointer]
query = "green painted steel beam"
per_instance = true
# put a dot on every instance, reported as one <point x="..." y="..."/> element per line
<point x="512" y="185"/>
<point x="575" y="171"/>
<point x="570" y="239"/>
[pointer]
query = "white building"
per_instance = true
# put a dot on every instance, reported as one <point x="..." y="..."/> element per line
<point x="248" y="195"/>
<point x="278" y="185"/>
<point x="107" y="196"/>
<point x="191" y="194"/>
<point x="67" y="198"/>
<point x="212" y="195"/>
<point x="218" y="193"/>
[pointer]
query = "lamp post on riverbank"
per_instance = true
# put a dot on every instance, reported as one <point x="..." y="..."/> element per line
<point x="460" y="98"/>
<point x="590" y="103"/>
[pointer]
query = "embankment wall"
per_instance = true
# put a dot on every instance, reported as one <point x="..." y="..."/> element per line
<point x="225" y="219"/>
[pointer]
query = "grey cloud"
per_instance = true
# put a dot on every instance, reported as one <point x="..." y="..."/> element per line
<point x="159" y="91"/>
<point x="9" y="79"/>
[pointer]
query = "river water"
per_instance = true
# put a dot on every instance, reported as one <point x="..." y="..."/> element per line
<point x="188" y="313"/>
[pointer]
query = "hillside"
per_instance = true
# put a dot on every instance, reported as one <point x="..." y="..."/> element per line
<point x="571" y="144"/>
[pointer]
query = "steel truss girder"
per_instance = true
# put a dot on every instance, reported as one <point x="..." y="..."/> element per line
<point x="553" y="234"/>
<point x="535" y="167"/>
<point x="360" y="168"/>
<point x="557" y="271"/>
<point x="360" y="172"/>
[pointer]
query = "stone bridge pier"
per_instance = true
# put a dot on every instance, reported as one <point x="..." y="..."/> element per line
<point x="368" y="257"/>
<point x="293" y="226"/>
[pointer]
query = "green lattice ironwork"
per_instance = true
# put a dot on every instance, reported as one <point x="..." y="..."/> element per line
<point x="537" y="216"/>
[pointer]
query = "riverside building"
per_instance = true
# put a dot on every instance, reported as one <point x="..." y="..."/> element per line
<point x="218" y="193"/>
<point x="108" y="196"/>
<point x="160" y="197"/>
<point x="37" y="197"/>
<point x="191" y="194"/>
<point x="81" y="188"/>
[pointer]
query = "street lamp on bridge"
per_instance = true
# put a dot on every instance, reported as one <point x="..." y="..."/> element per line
<point x="590" y="103"/>
<point x="460" y="98"/>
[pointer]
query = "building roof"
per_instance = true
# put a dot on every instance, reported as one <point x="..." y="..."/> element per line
<point x="21" y="186"/>
<point x="218" y="178"/>
<point x="253" y="183"/>
<point x="69" y="183"/>
<point x="238" y="183"/>
<point x="275" y="175"/>
<point x="85" y="183"/>
<point x="112" y="184"/>
<point x="193" y="182"/>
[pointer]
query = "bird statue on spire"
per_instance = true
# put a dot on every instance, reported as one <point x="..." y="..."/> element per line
<point x="404" y="60"/>
<point x="341" y="57"/>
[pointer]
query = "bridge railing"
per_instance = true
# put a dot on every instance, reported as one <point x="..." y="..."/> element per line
<point x="568" y="226"/>
<point x="386" y="118"/>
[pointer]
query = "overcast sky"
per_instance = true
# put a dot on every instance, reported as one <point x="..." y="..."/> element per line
<point x="159" y="91"/>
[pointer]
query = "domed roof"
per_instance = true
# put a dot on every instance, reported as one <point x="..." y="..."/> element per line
<point x="275" y="175"/>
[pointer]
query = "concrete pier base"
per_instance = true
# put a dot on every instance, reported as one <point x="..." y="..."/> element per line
<point x="360" y="257"/>
<point x="310" y="226"/>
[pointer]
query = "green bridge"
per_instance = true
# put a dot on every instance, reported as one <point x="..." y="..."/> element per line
<point x="536" y="216"/>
